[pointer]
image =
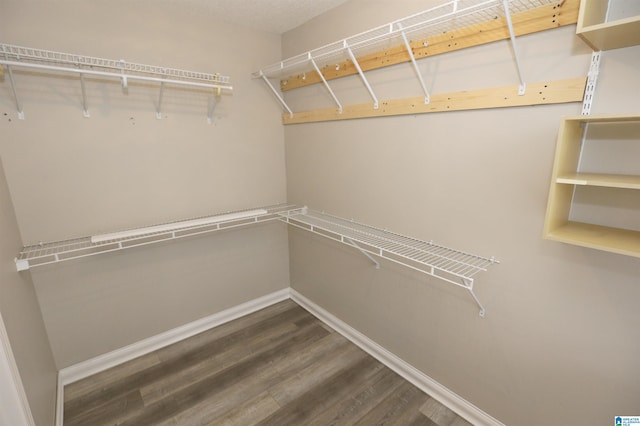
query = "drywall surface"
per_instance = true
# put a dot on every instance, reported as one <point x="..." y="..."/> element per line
<point x="559" y="342"/>
<point x="113" y="300"/>
<point x="23" y="320"/>
<point x="122" y="168"/>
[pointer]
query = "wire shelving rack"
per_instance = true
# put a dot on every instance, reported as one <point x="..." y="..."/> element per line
<point x="453" y="266"/>
<point x="12" y="56"/>
<point x="448" y="17"/>
<point x="58" y="251"/>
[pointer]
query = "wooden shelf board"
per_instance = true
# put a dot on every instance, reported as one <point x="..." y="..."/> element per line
<point x="596" y="179"/>
<point x="605" y="118"/>
<point x="615" y="240"/>
<point x="551" y="92"/>
<point x="611" y="35"/>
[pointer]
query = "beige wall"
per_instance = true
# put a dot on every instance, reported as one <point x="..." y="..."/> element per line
<point x="559" y="342"/>
<point x="72" y="176"/>
<point x="23" y="320"/>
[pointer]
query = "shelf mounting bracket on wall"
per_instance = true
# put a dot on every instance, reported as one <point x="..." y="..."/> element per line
<point x="324" y="81"/>
<point x="349" y="241"/>
<point x="213" y="102"/>
<point x="85" y="109"/>
<point x="159" y="106"/>
<point x="361" y="73"/>
<point x="412" y="57"/>
<point x="468" y="284"/>
<point x="512" y="36"/>
<point x="12" y="83"/>
<point x="275" y="92"/>
<point x="592" y="79"/>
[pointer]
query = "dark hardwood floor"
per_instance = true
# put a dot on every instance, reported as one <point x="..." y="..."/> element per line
<point x="278" y="366"/>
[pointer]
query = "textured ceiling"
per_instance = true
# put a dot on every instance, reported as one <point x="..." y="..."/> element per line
<point x="275" y="16"/>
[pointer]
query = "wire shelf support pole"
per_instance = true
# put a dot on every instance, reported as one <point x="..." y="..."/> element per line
<point x="159" y="106"/>
<point x="361" y="73"/>
<point x="85" y="109"/>
<point x="414" y="63"/>
<point x="361" y="250"/>
<point x="275" y="92"/>
<point x="12" y="83"/>
<point x="468" y="284"/>
<point x="324" y="81"/>
<point x="512" y="36"/>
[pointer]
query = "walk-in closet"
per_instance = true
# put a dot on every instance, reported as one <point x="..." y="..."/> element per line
<point x="319" y="212"/>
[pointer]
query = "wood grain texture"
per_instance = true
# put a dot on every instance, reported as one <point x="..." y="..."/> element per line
<point x="550" y="92"/>
<point x="278" y="366"/>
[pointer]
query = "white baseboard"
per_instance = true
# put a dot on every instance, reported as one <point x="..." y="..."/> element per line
<point x="111" y="359"/>
<point x="456" y="403"/>
<point x="459" y="405"/>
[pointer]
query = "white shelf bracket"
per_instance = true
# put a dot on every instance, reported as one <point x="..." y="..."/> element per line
<point x="592" y="79"/>
<point x="353" y="243"/>
<point x="507" y="14"/>
<point x="324" y="80"/>
<point x="85" y="109"/>
<point x="22" y="265"/>
<point x="468" y="284"/>
<point x="361" y="73"/>
<point x="15" y="95"/>
<point x="275" y="92"/>
<point x="159" y="106"/>
<point x="415" y="64"/>
<point x="213" y="101"/>
<point x="123" y="79"/>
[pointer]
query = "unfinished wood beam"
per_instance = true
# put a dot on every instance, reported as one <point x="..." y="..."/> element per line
<point x="551" y="92"/>
<point x="543" y="18"/>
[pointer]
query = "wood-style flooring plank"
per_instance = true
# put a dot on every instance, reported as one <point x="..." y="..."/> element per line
<point x="120" y="407"/>
<point x="177" y="364"/>
<point x="349" y="410"/>
<point x="182" y="400"/>
<point x="219" y="405"/>
<point x="438" y="413"/>
<point x="202" y="339"/>
<point x="102" y="379"/>
<point x="393" y="406"/>
<point x="277" y="366"/>
<point x="324" y="394"/>
<point x="249" y="412"/>
<point x="180" y="379"/>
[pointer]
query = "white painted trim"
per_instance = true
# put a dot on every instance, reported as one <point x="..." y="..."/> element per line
<point x="456" y="403"/>
<point x="111" y="359"/>
<point x="15" y="406"/>
<point x="437" y="391"/>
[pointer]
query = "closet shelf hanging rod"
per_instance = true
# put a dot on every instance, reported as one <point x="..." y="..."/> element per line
<point x="59" y="251"/>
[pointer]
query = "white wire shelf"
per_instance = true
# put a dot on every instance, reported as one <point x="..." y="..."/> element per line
<point x="58" y="251"/>
<point x="12" y="56"/>
<point x="448" y="17"/>
<point x="453" y="266"/>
